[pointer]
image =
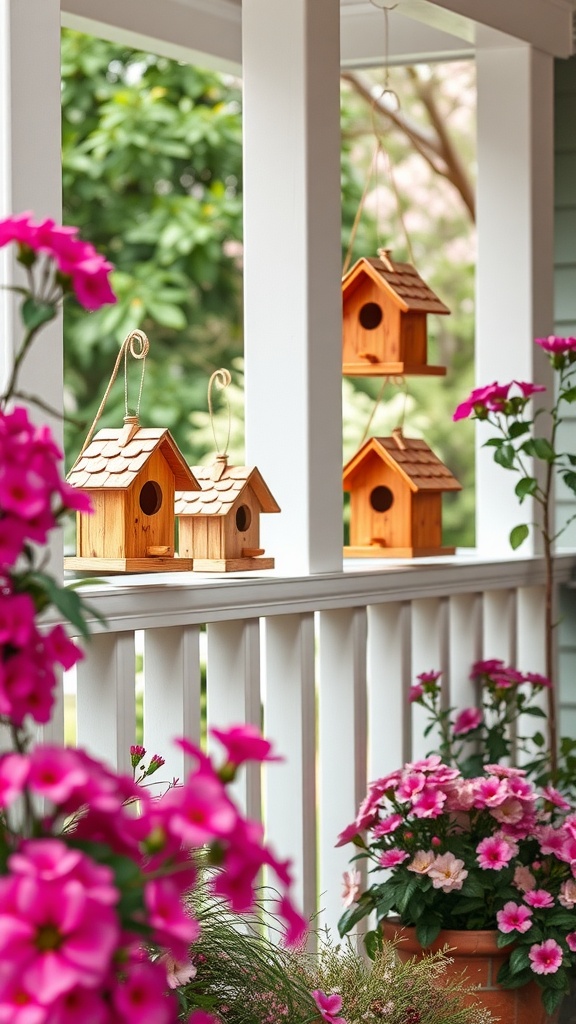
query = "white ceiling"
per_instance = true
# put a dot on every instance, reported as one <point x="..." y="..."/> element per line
<point x="210" y="31"/>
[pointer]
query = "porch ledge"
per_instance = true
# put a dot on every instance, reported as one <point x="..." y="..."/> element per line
<point x="149" y="601"/>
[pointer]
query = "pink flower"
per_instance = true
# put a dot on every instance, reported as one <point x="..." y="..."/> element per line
<point x="199" y="811"/>
<point x="524" y="879"/>
<point x="411" y="784"/>
<point x="571" y="941"/>
<point x="528" y="389"/>
<point x="174" y="928"/>
<point x="202" y="1017"/>
<point x="554" y="797"/>
<point x="329" y="1006"/>
<point x="484" y="668"/>
<point x="347" y="834"/>
<point x="351" y="887"/>
<point x="178" y="972"/>
<point x="538" y="898"/>
<point x="421" y="862"/>
<point x="567" y="895"/>
<point x="555" y="345"/>
<point x="490" y="792"/>
<point x="391" y="858"/>
<point x="490" y="398"/>
<point x="447" y="872"/>
<point x="140" y="998"/>
<point x="429" y="803"/>
<point x="244" y="743"/>
<point x="60" y="649"/>
<point x="466" y="721"/>
<point x="514" y="918"/>
<point x="494" y="853"/>
<point x="387" y="825"/>
<point x="415" y="693"/>
<point x="545" y="957"/>
<point x="537" y="679"/>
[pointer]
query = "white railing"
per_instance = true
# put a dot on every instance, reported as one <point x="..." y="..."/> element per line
<point x="322" y="663"/>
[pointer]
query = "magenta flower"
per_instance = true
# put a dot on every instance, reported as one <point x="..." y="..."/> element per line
<point x="494" y="853"/>
<point x="174" y="928"/>
<point x="329" y="1006"/>
<point x="429" y="803"/>
<point x="415" y="693"/>
<point x="571" y="941"/>
<point x="538" y="898"/>
<point x="391" y="858"/>
<point x="347" y="834"/>
<point x="545" y="957"/>
<point x="556" y="345"/>
<point x="528" y="389"/>
<point x="554" y="797"/>
<point x="490" y="398"/>
<point x="514" y="918"/>
<point x="466" y="721"/>
<point x="244" y="743"/>
<point x="387" y="825"/>
<point x="140" y="998"/>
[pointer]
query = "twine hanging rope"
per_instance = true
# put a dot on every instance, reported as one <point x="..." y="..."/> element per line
<point x="136" y="343"/>
<point x="219" y="379"/>
<point x="403" y="383"/>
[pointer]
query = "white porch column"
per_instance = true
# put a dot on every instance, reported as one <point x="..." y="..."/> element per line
<point x="291" y="64"/>
<point x="515" y="255"/>
<point x="30" y="169"/>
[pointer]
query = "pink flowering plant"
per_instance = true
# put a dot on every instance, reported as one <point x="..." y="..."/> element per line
<point x="95" y="869"/>
<point x="526" y="443"/>
<point x="491" y="730"/>
<point x="489" y="852"/>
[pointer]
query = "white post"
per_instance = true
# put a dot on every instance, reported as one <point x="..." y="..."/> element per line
<point x="515" y="255"/>
<point x="293" y="349"/>
<point x="30" y="168"/>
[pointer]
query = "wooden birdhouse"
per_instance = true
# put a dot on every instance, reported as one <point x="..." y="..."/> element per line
<point x="396" y="485"/>
<point x="219" y="526"/>
<point x="385" y="306"/>
<point x="131" y="476"/>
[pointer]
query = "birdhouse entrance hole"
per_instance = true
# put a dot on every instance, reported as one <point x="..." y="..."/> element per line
<point x="243" y="518"/>
<point x="370" y="316"/>
<point x="151" y="498"/>
<point x="381" y="499"/>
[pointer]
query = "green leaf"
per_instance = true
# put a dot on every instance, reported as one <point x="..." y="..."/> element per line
<point x="504" y="456"/>
<point x="552" y="999"/>
<point x="518" y="535"/>
<point x="509" y="980"/>
<point x="570" y="481"/>
<point x="408" y="890"/>
<point x="534" y="712"/>
<point x="527" y="485"/>
<point x="35" y="313"/>
<point x="569" y="395"/>
<point x="518" y="428"/>
<point x="373" y="943"/>
<point x="354" y="914"/>
<point x="519" y="960"/>
<point x="540" y="448"/>
<point x="427" y="929"/>
<point x="504" y="939"/>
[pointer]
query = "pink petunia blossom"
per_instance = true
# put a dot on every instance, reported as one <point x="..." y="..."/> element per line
<point x="524" y="879"/>
<point x="391" y="858"/>
<point x="411" y="784"/>
<point x="387" y="825"/>
<point x="545" y="957"/>
<point x="528" y="389"/>
<point x="490" y="398"/>
<point x="466" y="721"/>
<point x="555" y="797"/>
<point x="178" y="972"/>
<point x="140" y="997"/>
<point x="429" y="803"/>
<point x="494" y="853"/>
<point x="347" y="834"/>
<point x="174" y="928"/>
<point x="539" y="898"/>
<point x="415" y="693"/>
<point x="571" y="941"/>
<point x="514" y="918"/>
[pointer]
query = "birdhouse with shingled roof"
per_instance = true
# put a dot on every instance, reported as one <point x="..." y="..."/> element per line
<point x="385" y="309"/>
<point x="396" y="485"/>
<point x="131" y="476"/>
<point x="219" y="525"/>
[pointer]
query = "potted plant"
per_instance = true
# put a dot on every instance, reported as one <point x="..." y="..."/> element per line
<point x="490" y="855"/>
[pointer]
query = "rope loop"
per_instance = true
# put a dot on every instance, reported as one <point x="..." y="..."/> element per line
<point x="136" y="343"/>
<point x="220" y="379"/>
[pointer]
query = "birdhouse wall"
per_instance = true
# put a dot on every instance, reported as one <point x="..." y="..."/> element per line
<point x="369" y="525"/>
<point x="427" y="520"/>
<point x="222" y="536"/>
<point x="102" y="534"/>
<point x="413" y="339"/>
<point x="380" y="343"/>
<point x="149" y="512"/>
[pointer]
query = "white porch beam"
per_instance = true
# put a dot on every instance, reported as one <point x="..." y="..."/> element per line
<point x="514" y="295"/>
<point x="545" y="24"/>
<point x="203" y="32"/>
<point x="292" y="274"/>
<point x="30" y="169"/>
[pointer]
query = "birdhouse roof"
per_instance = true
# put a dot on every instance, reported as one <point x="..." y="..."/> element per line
<point x="110" y="464"/>
<point x="217" y="497"/>
<point x="401" y="281"/>
<point x="415" y="461"/>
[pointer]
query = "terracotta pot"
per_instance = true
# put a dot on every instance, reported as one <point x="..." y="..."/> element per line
<point x="476" y="953"/>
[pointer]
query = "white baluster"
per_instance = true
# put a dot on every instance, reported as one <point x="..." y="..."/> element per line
<point x="389" y="679"/>
<point x="171" y="693"/>
<point x="106" y="713"/>
<point x="429" y="629"/>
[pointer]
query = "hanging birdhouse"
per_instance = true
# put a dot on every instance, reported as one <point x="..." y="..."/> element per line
<point x="385" y="306"/>
<point x="219" y="526"/>
<point x="396" y="485"/>
<point x="131" y="476"/>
